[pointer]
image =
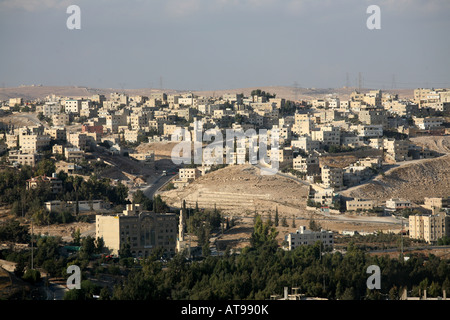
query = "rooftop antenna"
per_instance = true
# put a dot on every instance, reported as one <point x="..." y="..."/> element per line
<point x="393" y="82"/>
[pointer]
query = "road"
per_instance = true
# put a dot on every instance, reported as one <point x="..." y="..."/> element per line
<point x="154" y="186"/>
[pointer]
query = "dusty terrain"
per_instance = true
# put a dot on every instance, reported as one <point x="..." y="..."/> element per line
<point x="286" y="92"/>
<point x="241" y="190"/>
<point x="412" y="180"/>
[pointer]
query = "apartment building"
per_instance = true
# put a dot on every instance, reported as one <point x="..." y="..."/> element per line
<point x="308" y="237"/>
<point x="143" y="231"/>
<point x="60" y="120"/>
<point x="56" y="133"/>
<point x="328" y="135"/>
<point x="395" y="150"/>
<point x="77" y="140"/>
<point x="436" y="204"/>
<point x="17" y="156"/>
<point x="30" y="143"/>
<point x="359" y="204"/>
<point x="332" y="177"/>
<point x="428" y="122"/>
<point x="51" y="108"/>
<point x="72" y="106"/>
<point x="306" y="144"/>
<point x="429" y="227"/>
<point x="188" y="173"/>
<point x="308" y="165"/>
<point x="74" y="154"/>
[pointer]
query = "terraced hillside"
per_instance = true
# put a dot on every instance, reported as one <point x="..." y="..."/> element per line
<point x="240" y="190"/>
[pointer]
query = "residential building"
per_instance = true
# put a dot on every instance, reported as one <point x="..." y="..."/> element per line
<point x="143" y="231"/>
<point x="55" y="184"/>
<point x="398" y="204"/>
<point x="308" y="237"/>
<point x="395" y="150"/>
<point x="17" y="156"/>
<point x="359" y="204"/>
<point x="332" y="177"/>
<point x="72" y="106"/>
<point x="308" y="165"/>
<point x="73" y="154"/>
<point x="60" y="120"/>
<point x="429" y="227"/>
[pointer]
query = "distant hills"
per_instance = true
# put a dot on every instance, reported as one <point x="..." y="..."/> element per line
<point x="289" y="93"/>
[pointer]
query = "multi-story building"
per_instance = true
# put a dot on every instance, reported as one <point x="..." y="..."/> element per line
<point x="74" y="154"/>
<point x="188" y="173"/>
<point x="359" y="204"/>
<point x="30" y="143"/>
<point x="436" y="204"/>
<point x="428" y="122"/>
<point x="51" y="108"/>
<point x="17" y="156"/>
<point x="308" y="165"/>
<point x="328" y="135"/>
<point x="308" y="237"/>
<point x="143" y="231"/>
<point x="429" y="227"/>
<point x="332" y="177"/>
<point x="395" y="150"/>
<point x="60" y="120"/>
<point x="72" y="106"/>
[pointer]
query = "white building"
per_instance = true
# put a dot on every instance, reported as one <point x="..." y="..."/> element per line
<point x="308" y="237"/>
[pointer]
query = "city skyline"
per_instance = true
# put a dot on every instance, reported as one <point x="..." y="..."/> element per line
<point x="220" y="44"/>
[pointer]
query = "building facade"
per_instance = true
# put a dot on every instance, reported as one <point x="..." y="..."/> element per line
<point x="143" y="231"/>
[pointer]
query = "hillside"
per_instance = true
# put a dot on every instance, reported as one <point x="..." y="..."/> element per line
<point x="286" y="92"/>
<point x="412" y="181"/>
<point x="240" y="190"/>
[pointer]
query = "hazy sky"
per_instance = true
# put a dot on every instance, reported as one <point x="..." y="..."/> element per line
<point x="225" y="44"/>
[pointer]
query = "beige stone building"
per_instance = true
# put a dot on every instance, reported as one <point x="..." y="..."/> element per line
<point x="429" y="227"/>
<point x="144" y="231"/>
<point x="332" y="177"/>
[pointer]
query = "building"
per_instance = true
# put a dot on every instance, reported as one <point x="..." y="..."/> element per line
<point x="60" y="120"/>
<point x="395" y="150"/>
<point x="30" y="143"/>
<point x="188" y="174"/>
<point x="72" y="106"/>
<point x="308" y="165"/>
<point x="17" y="156"/>
<point x="398" y="204"/>
<point x="83" y="205"/>
<point x="332" y="177"/>
<point x="143" y="231"/>
<point x="359" y="204"/>
<point x="73" y="154"/>
<point x="308" y="237"/>
<point x="55" y="184"/>
<point x="436" y="204"/>
<point x="429" y="227"/>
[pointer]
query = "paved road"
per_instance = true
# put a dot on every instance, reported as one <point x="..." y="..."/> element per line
<point x="153" y="187"/>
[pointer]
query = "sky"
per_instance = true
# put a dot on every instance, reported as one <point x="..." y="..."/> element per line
<point x="225" y="44"/>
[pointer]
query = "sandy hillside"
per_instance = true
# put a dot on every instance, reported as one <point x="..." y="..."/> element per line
<point x="413" y="181"/>
<point x="240" y="190"/>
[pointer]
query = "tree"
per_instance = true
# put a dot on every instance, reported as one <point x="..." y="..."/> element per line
<point x="276" y="217"/>
<point x="76" y="237"/>
<point x="263" y="234"/>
